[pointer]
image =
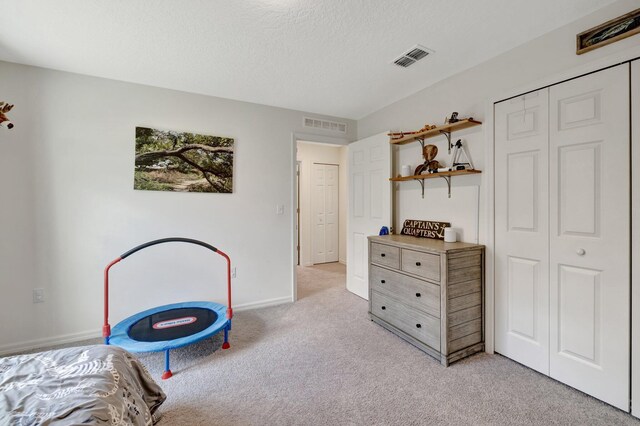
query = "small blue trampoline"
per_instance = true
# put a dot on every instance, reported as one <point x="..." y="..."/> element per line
<point x="170" y="326"/>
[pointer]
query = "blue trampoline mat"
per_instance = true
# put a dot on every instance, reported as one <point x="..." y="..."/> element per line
<point x="121" y="333"/>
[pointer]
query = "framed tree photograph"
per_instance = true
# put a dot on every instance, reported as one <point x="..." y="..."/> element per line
<point x="609" y="32"/>
<point x="182" y="162"/>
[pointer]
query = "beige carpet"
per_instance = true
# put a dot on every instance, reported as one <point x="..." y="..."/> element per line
<point x="321" y="361"/>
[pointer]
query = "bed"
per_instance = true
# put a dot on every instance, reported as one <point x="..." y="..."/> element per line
<point x="87" y="385"/>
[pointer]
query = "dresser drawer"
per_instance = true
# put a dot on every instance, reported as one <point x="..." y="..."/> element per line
<point x="411" y="291"/>
<point x="415" y="323"/>
<point x="385" y="255"/>
<point x="422" y="264"/>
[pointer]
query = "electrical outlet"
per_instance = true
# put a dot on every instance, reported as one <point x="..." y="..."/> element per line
<point x="233" y="272"/>
<point x="38" y="295"/>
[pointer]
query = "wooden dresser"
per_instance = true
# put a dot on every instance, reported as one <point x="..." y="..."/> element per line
<point x="429" y="292"/>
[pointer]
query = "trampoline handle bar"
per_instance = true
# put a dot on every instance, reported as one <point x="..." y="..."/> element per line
<point x="168" y="240"/>
<point x="229" y="309"/>
<point x="106" y="328"/>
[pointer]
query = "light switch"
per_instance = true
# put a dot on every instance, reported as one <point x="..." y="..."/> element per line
<point x="280" y="209"/>
<point x="38" y="295"/>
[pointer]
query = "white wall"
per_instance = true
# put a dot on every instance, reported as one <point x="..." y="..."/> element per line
<point x="68" y="204"/>
<point x="469" y="93"/>
<point x="309" y="153"/>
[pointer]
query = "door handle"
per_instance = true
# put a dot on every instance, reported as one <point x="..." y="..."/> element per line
<point x="419" y="325"/>
<point x="384" y="307"/>
<point x="581" y="252"/>
<point x="418" y="264"/>
<point x="382" y="281"/>
<point x="418" y="295"/>
<point x="382" y="254"/>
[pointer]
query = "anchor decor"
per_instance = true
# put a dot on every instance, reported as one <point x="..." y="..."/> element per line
<point x="424" y="229"/>
<point x="4" y="120"/>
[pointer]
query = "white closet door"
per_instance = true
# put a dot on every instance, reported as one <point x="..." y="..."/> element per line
<point x="325" y="213"/>
<point x="369" y="205"/>
<point x="331" y="212"/>
<point x="521" y="230"/>
<point x="635" y="238"/>
<point x="589" y="234"/>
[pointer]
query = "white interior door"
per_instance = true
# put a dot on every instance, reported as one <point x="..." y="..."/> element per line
<point x="635" y="239"/>
<point x="590" y="234"/>
<point x="324" y="209"/>
<point x="522" y="229"/>
<point x="369" y="205"/>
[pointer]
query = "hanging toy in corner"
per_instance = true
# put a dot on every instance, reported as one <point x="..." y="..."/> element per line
<point x="4" y="120"/>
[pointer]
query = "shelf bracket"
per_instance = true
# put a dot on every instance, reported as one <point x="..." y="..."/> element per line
<point x="448" y="179"/>
<point x="447" y="134"/>
<point x="421" y="140"/>
<point x="421" y="182"/>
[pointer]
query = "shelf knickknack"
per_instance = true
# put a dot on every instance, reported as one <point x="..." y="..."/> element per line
<point x="4" y="120"/>
<point x="420" y="137"/>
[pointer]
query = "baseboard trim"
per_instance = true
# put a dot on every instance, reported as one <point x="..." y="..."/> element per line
<point x="262" y="304"/>
<point x="14" y="348"/>
<point x="28" y="345"/>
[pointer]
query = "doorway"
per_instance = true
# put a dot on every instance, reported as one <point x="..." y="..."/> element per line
<point x="321" y="204"/>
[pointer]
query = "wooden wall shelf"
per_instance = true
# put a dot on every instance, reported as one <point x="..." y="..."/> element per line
<point x="435" y="175"/>
<point x="444" y="175"/>
<point x="444" y="129"/>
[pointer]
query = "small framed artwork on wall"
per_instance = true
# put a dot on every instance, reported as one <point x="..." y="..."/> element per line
<point x="182" y="162"/>
<point x="609" y="32"/>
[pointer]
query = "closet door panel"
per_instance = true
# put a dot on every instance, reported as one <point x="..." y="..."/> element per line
<point x="325" y="213"/>
<point x="318" y="206"/>
<point x="590" y="234"/>
<point x="522" y="232"/>
<point x="635" y="238"/>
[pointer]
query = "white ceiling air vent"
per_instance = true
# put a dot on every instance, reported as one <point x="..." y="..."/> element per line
<point x="316" y="123"/>
<point x="411" y="56"/>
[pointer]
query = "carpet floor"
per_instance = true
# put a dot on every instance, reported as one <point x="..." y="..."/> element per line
<point x="321" y="361"/>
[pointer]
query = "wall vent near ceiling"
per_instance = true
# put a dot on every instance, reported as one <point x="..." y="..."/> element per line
<point x="333" y="126"/>
<point x="411" y="56"/>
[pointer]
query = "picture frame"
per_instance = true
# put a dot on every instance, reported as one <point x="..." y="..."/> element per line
<point x="609" y="32"/>
<point x="168" y="160"/>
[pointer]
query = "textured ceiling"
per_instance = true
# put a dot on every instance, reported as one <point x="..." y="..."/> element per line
<point x="325" y="56"/>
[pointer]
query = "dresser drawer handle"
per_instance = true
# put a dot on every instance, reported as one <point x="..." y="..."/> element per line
<point x="382" y="254"/>
<point x="418" y="263"/>
<point x="418" y="295"/>
<point x="382" y="281"/>
<point x="384" y="307"/>
<point x="419" y="325"/>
